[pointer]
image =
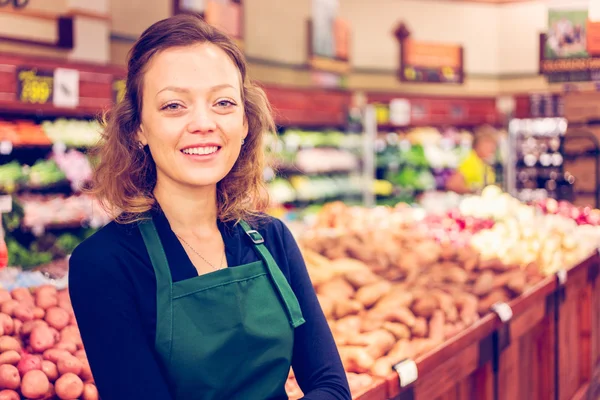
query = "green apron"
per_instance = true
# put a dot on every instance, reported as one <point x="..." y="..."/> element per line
<point x="228" y="334"/>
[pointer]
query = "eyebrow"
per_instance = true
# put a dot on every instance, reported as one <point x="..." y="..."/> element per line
<point x="186" y="90"/>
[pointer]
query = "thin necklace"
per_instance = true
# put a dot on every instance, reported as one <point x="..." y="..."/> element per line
<point x="200" y="255"/>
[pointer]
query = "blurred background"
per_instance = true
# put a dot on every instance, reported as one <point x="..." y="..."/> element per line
<point x="469" y="128"/>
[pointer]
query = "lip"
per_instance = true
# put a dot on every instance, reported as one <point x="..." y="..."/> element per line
<point x="191" y="146"/>
<point x="202" y="157"/>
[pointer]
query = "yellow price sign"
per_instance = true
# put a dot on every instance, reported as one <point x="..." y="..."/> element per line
<point x="35" y="86"/>
<point x="119" y="86"/>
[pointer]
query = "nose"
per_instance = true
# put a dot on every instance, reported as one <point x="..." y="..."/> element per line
<point x="201" y="121"/>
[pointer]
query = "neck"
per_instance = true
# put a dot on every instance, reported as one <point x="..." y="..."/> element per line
<point x="187" y="209"/>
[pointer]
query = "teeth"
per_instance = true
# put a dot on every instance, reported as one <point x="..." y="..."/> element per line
<point x="201" y="151"/>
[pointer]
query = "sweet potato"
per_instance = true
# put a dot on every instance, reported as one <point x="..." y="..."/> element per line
<point x="55" y="354"/>
<point x="451" y="330"/>
<point x="29" y="362"/>
<point x="423" y="346"/>
<point x="9" y="377"/>
<point x="376" y="343"/>
<point x="455" y="274"/>
<point x="10" y="357"/>
<point x="350" y="324"/>
<point x="398" y="296"/>
<point x="400" y="331"/>
<point x="69" y="364"/>
<point x="327" y="305"/>
<point x="50" y="369"/>
<point x="446" y="304"/>
<point x="420" y="328"/>
<point x="436" y="326"/>
<point x="370" y="294"/>
<point x="487" y="302"/>
<point x="484" y="284"/>
<point x="401" y="350"/>
<point x="35" y="385"/>
<point x="9" y="343"/>
<point x="425" y="306"/>
<point x="41" y="339"/>
<point x="23" y="312"/>
<point x="8" y="307"/>
<point x="57" y="318"/>
<point x="7" y="324"/>
<point x="517" y="283"/>
<point x="337" y="289"/>
<point x="9" y="395"/>
<point x="361" y="278"/>
<point x="347" y="307"/>
<point x="89" y="392"/>
<point x="356" y="359"/>
<point x="468" y="305"/>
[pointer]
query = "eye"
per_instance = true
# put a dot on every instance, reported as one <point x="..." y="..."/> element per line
<point x="225" y="103"/>
<point x="171" y="106"/>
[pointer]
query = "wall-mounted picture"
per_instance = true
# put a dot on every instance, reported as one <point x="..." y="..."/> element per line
<point x="566" y="37"/>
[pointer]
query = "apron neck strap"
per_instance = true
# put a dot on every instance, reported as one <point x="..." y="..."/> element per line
<point x="283" y="288"/>
<point x="155" y="250"/>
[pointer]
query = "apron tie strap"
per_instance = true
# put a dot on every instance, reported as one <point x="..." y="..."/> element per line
<point x="283" y="288"/>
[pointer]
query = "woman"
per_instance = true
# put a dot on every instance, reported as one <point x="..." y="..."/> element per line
<point x="476" y="171"/>
<point x="181" y="298"/>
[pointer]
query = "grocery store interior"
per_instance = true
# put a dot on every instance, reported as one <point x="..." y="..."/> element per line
<point x="438" y="162"/>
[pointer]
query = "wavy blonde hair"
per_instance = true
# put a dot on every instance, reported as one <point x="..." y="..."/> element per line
<point x="125" y="175"/>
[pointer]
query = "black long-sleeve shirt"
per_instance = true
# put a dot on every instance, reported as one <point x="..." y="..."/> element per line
<point x="113" y="290"/>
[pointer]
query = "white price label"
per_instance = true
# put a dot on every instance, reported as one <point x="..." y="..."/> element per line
<point x="59" y="148"/>
<point x="407" y="372"/>
<point x="6" y="147"/>
<point x="562" y="275"/>
<point x="66" y="87"/>
<point x="5" y="204"/>
<point x="503" y="311"/>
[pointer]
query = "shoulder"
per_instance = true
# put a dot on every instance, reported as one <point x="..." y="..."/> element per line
<point x="272" y="229"/>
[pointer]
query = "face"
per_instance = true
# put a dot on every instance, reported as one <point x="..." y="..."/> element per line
<point x="486" y="149"/>
<point x="192" y="115"/>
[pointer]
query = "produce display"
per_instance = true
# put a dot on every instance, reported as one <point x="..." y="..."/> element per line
<point x="41" y="351"/>
<point x="23" y="133"/>
<point x="581" y="215"/>
<point x="73" y="132"/>
<point x="45" y="173"/>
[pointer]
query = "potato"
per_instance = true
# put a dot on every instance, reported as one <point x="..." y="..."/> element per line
<point x="69" y="364"/>
<point x="23" y="312"/>
<point x="55" y="354"/>
<point x="90" y="392"/>
<point x="10" y="357"/>
<point x="9" y="306"/>
<point x="86" y="370"/>
<point x="35" y="385"/>
<point x="17" y="326"/>
<point x="38" y="313"/>
<point x="50" y="369"/>
<point x="29" y="325"/>
<point x="71" y="334"/>
<point x="22" y="295"/>
<point x="29" y="362"/>
<point x="4" y="296"/>
<point x="46" y="301"/>
<point x="81" y="354"/>
<point x="9" y="343"/>
<point x="68" y="346"/>
<point x="7" y="324"/>
<point x="46" y="290"/>
<point x="57" y="318"/>
<point x="9" y="377"/>
<point x="69" y="386"/>
<point x="41" y="339"/>
<point x="9" y="395"/>
<point x="50" y="394"/>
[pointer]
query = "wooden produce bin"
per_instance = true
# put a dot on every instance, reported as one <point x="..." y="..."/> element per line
<point x="459" y="369"/>
<point x="376" y="391"/>
<point x="578" y="329"/>
<point x="526" y="362"/>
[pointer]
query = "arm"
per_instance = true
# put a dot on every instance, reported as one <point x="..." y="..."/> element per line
<point x="316" y="360"/>
<point x="456" y="183"/>
<point x="122" y="360"/>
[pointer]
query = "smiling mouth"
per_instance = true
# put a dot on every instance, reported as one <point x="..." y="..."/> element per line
<point x="201" y="151"/>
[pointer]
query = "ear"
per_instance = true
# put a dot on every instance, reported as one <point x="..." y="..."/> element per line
<point x="245" y="134"/>
<point x="141" y="136"/>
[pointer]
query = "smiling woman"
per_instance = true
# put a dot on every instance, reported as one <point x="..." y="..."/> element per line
<point x="192" y="292"/>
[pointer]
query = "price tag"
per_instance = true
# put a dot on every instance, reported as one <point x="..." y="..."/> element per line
<point x="66" y="87"/>
<point x="503" y="311"/>
<point x="35" y="86"/>
<point x="6" y="147"/>
<point x="118" y="87"/>
<point x="59" y="148"/>
<point x="407" y="372"/>
<point x="5" y="204"/>
<point x="561" y="275"/>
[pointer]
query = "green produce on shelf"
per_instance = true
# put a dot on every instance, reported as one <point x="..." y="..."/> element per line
<point x="414" y="156"/>
<point x="11" y="176"/>
<point x="44" y="173"/>
<point x="25" y="258"/>
<point x="414" y="178"/>
<point x="12" y="221"/>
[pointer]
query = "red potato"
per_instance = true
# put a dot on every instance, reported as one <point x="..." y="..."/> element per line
<point x="4" y="296"/>
<point x="81" y="354"/>
<point x="22" y="294"/>
<point x="7" y="323"/>
<point x="9" y="343"/>
<point x="57" y="318"/>
<point x="68" y="346"/>
<point x="55" y="354"/>
<point x="38" y="313"/>
<point x="50" y="394"/>
<point x="73" y="320"/>
<point x="23" y="312"/>
<point x="46" y="290"/>
<point x="9" y="395"/>
<point x="9" y="306"/>
<point x="46" y="301"/>
<point x="55" y="334"/>
<point x="50" y="369"/>
<point x="10" y="357"/>
<point x="35" y="385"/>
<point x="9" y="377"/>
<point x="29" y="362"/>
<point x="90" y="392"/>
<point x="41" y="339"/>
<point x="69" y="364"/>
<point x="17" y="326"/>
<point x="86" y="371"/>
<point x="30" y="325"/>
<point x="71" y="334"/>
<point x="69" y="386"/>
